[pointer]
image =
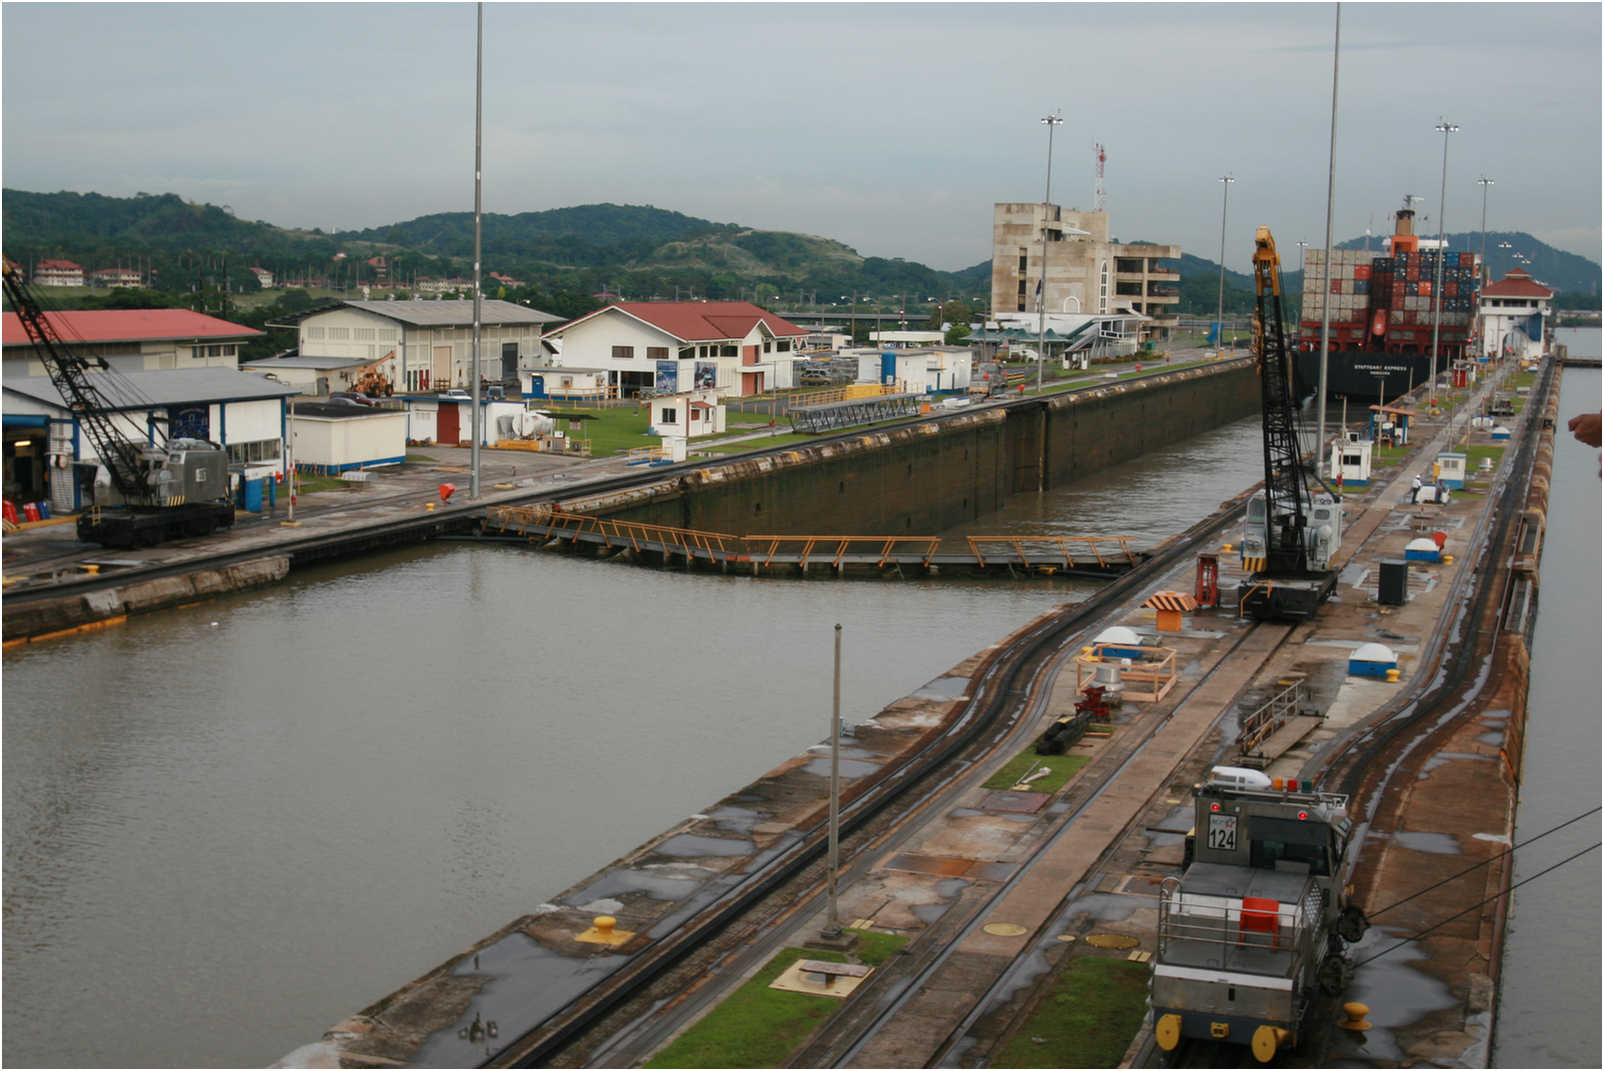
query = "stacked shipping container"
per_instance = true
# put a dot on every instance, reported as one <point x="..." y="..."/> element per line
<point x="1359" y="284"/>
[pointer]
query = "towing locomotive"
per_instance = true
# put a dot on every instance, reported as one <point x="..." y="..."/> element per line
<point x="1256" y="926"/>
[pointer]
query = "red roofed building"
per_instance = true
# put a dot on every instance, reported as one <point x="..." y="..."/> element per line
<point x="58" y="273"/>
<point x="1514" y="316"/>
<point x="132" y="340"/>
<point x="672" y="346"/>
<point x="115" y="278"/>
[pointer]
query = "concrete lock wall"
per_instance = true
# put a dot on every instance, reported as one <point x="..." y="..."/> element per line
<point x="931" y="475"/>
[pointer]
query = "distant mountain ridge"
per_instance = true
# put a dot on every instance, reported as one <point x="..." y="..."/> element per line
<point x="637" y="250"/>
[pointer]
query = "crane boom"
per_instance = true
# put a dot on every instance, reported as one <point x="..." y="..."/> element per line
<point x="1291" y="533"/>
<point x="165" y="489"/>
<point x="69" y="372"/>
<point x="1284" y="482"/>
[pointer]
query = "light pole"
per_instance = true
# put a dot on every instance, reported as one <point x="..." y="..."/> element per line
<point x="478" y="172"/>
<point x="1485" y="182"/>
<point x="1056" y="119"/>
<point x="1325" y="298"/>
<point x="1219" y="304"/>
<point x="1444" y="128"/>
<point x="1303" y="260"/>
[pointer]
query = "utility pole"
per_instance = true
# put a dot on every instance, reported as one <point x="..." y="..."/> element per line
<point x="1051" y="121"/>
<point x="1219" y="301"/>
<point x="478" y="147"/>
<point x="1331" y="185"/>
<point x="1444" y="128"/>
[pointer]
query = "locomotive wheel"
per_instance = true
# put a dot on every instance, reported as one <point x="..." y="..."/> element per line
<point x="1352" y="924"/>
<point x="1335" y="974"/>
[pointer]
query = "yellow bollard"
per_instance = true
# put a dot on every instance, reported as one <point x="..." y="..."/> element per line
<point x="1392" y="676"/>
<point x="1356" y="1013"/>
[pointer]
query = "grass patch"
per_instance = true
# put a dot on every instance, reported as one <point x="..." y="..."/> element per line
<point x="421" y="459"/>
<point x="1087" y="1018"/>
<point x="757" y="1026"/>
<point x="611" y="430"/>
<point x="780" y="438"/>
<point x="306" y="485"/>
<point x="1063" y="767"/>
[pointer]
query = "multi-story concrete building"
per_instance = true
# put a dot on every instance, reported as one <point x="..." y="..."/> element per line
<point x="1085" y="272"/>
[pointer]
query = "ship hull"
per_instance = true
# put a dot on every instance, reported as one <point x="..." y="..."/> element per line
<point x="1364" y="377"/>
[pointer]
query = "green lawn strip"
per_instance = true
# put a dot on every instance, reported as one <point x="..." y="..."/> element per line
<point x="757" y="1026"/>
<point x="612" y="429"/>
<point x="760" y="443"/>
<point x="1063" y="767"/>
<point x="1087" y="1018"/>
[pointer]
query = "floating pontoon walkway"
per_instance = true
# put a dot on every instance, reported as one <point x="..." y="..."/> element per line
<point x="838" y="555"/>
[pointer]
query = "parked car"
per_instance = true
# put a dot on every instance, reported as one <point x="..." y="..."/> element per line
<point x="456" y="392"/>
<point x="350" y="397"/>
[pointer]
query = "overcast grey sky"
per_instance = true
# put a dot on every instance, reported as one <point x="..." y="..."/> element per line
<point x="892" y="128"/>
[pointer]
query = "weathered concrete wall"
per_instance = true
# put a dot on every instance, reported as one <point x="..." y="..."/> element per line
<point x="42" y="620"/>
<point x="932" y="475"/>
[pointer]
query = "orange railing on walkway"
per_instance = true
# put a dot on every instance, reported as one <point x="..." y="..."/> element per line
<point x="764" y="548"/>
<point x="1102" y="548"/>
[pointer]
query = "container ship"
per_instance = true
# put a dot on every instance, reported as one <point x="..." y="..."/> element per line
<point x="1381" y="316"/>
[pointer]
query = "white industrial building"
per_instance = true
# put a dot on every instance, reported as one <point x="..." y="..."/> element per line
<point x="43" y="439"/>
<point x="734" y="347"/>
<point x="932" y="370"/>
<point x="427" y="345"/>
<point x="130" y="340"/>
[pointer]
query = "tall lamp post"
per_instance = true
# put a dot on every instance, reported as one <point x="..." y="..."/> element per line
<point x="478" y="172"/>
<point x="1219" y="304"/>
<point x="1050" y="121"/>
<point x="1444" y="128"/>
<point x="1485" y="182"/>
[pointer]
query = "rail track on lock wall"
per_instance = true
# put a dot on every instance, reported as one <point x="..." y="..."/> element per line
<point x="1004" y="692"/>
<point x="624" y="1019"/>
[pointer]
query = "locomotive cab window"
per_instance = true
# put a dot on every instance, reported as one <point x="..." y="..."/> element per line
<point x="1298" y="842"/>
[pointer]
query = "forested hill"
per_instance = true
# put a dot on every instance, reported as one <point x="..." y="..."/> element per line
<point x="636" y="250"/>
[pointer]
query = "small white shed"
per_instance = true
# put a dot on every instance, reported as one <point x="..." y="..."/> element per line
<point x="331" y="439"/>
<point x="1350" y="462"/>
<point x="689" y="414"/>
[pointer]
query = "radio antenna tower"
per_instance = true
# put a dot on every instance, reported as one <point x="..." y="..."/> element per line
<point x="1102" y="198"/>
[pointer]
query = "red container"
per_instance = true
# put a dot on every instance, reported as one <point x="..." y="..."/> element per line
<point x="1336" y="286"/>
<point x="10" y="511"/>
<point x="1362" y="272"/>
<point x="30" y="510"/>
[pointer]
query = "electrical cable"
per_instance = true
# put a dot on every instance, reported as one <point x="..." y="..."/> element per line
<point x="1472" y="907"/>
<point x="1490" y="859"/>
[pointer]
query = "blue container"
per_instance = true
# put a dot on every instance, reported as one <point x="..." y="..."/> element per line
<point x="253" y="496"/>
<point x="888" y="367"/>
<point x="44" y="511"/>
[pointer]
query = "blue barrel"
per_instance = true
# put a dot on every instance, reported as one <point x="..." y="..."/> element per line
<point x="888" y="366"/>
<point x="253" y="496"/>
<point x="44" y="507"/>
